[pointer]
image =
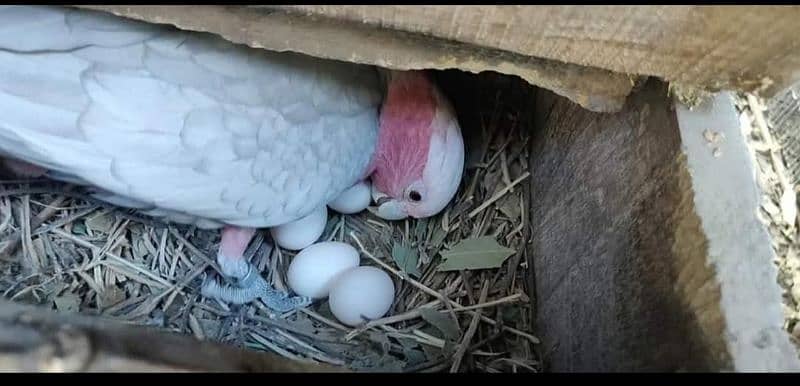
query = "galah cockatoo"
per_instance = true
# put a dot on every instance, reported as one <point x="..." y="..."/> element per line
<point x="193" y="129"/>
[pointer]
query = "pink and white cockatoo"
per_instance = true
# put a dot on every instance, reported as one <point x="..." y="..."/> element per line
<point x="194" y="129"/>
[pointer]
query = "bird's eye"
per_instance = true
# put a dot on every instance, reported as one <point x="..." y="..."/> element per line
<point x="414" y="196"/>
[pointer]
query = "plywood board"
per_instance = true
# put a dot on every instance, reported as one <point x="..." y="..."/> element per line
<point x="35" y="339"/>
<point x="279" y="30"/>
<point x="743" y="47"/>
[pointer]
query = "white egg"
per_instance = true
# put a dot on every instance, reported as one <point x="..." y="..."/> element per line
<point x="353" y="200"/>
<point x="301" y="233"/>
<point x="314" y="269"/>
<point x="362" y="291"/>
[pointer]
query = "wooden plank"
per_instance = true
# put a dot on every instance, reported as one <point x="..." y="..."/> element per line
<point x="648" y="255"/>
<point x="727" y="200"/>
<point x="621" y="277"/>
<point x="275" y="29"/>
<point x="744" y="47"/>
<point x="34" y="339"/>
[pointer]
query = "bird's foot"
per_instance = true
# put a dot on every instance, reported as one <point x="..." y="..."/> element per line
<point x="250" y="287"/>
<point x="247" y="284"/>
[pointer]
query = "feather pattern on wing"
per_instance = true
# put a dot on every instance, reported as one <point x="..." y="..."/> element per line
<point x="180" y="124"/>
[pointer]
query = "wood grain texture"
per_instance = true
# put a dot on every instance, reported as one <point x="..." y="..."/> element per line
<point x="622" y="280"/>
<point x="715" y="46"/>
<point x="33" y="339"/>
<point x="278" y="29"/>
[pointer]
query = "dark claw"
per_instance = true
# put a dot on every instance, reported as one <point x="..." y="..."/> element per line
<point x="198" y="281"/>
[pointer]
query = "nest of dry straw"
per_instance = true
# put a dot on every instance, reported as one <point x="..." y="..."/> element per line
<point x="779" y="206"/>
<point x="462" y="277"/>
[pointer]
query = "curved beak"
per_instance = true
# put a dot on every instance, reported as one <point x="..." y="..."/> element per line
<point x="387" y="207"/>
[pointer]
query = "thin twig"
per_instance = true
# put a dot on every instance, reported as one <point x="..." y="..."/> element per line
<point x="431" y="292"/>
<point x="473" y="326"/>
<point x="417" y="312"/>
<point x="114" y="257"/>
<point x="45" y="214"/>
<point x="498" y="195"/>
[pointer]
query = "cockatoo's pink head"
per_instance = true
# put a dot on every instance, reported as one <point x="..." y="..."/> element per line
<point x="419" y="160"/>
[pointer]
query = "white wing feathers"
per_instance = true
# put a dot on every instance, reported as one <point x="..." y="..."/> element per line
<point x="182" y="124"/>
<point x="31" y="29"/>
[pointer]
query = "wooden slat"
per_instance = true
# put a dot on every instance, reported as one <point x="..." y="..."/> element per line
<point x="648" y="253"/>
<point x="34" y="339"/>
<point x="273" y="28"/>
<point x="618" y="250"/>
<point x="729" y="46"/>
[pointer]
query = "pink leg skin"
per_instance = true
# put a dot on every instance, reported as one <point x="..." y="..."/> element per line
<point x="250" y="285"/>
<point x="231" y="250"/>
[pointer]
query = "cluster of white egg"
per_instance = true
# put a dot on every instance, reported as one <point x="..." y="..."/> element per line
<point x="332" y="269"/>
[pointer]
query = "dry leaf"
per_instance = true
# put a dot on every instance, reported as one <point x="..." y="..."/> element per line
<point x="211" y="327"/>
<point x="406" y="259"/>
<point x="139" y="250"/>
<point x="100" y="222"/>
<point x="383" y="341"/>
<point x="67" y="302"/>
<point x="110" y="296"/>
<point x="449" y="348"/>
<point x="407" y="343"/>
<point x="509" y="205"/>
<point x="196" y="328"/>
<point x="78" y="228"/>
<point x="421" y="229"/>
<point x="432" y="353"/>
<point x="366" y="359"/>
<point x="475" y="253"/>
<point x="414" y="356"/>
<point x="443" y="322"/>
<point x="437" y="238"/>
